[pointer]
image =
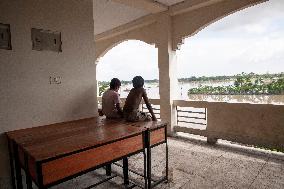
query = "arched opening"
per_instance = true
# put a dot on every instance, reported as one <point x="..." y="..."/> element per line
<point x="126" y="60"/>
<point x="237" y="59"/>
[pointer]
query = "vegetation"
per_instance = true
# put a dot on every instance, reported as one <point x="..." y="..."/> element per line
<point x="102" y="88"/>
<point x="104" y="85"/>
<point x="246" y="84"/>
<point x="146" y="81"/>
<point x="229" y="78"/>
<point x="204" y="78"/>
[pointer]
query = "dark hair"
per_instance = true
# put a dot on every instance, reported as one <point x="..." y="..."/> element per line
<point x="138" y="82"/>
<point x="114" y="83"/>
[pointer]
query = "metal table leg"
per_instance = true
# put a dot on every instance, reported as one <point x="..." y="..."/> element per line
<point x="18" y="168"/>
<point x="148" y="149"/>
<point x="12" y="160"/>
<point x="125" y="171"/>
<point x="108" y="169"/>
<point x="28" y="176"/>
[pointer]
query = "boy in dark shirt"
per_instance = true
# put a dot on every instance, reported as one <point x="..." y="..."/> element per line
<point x="131" y="108"/>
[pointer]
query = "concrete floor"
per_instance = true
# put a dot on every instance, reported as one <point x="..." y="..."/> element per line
<point x="197" y="165"/>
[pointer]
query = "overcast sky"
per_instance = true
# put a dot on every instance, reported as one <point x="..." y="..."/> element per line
<point x="251" y="40"/>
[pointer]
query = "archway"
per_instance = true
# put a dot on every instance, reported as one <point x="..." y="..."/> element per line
<point x="128" y="59"/>
<point x="247" y="41"/>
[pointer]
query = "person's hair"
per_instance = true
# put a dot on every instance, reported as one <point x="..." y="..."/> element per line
<point x="114" y="83"/>
<point x="138" y="82"/>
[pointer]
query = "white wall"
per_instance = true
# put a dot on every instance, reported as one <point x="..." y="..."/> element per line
<point x="26" y="97"/>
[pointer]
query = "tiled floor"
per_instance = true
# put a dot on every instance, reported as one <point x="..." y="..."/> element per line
<point x="199" y="165"/>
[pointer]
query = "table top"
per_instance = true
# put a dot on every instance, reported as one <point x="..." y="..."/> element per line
<point x="57" y="139"/>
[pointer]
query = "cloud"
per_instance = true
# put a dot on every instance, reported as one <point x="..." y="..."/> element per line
<point x="230" y="56"/>
<point x="251" y="40"/>
<point x="258" y="17"/>
<point x="127" y="60"/>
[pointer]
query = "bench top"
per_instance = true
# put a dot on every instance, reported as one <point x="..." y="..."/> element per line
<point x="49" y="141"/>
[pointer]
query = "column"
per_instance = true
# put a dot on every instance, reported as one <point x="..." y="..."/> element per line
<point x="96" y="91"/>
<point x="167" y="70"/>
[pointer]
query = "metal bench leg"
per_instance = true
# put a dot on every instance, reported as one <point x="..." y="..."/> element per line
<point x="12" y="160"/>
<point x="108" y="169"/>
<point x="28" y="177"/>
<point x="149" y="167"/>
<point x="125" y="171"/>
<point x="18" y="168"/>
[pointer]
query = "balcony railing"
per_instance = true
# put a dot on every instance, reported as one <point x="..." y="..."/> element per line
<point x="191" y="117"/>
<point x="254" y="124"/>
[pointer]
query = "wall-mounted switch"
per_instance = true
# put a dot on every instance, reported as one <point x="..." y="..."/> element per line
<point x="5" y="37"/>
<point x="54" y="80"/>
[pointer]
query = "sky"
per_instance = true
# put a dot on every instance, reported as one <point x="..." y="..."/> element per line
<point x="251" y="40"/>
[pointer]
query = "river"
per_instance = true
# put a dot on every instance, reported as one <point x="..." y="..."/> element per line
<point x="182" y="90"/>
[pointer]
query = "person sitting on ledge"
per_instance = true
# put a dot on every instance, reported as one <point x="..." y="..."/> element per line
<point x="111" y="100"/>
<point x="131" y="108"/>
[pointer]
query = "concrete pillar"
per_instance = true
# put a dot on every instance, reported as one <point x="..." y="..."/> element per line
<point x="167" y="70"/>
<point x="96" y="87"/>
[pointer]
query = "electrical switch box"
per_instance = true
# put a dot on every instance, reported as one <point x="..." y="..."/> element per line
<point x="5" y="37"/>
<point x="46" y="40"/>
<point x="55" y="80"/>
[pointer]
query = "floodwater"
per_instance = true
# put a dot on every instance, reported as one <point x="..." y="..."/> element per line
<point x="182" y="90"/>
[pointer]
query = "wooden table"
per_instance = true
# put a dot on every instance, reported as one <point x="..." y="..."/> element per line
<point x="52" y="154"/>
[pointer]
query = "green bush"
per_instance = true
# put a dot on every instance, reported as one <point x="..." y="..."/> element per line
<point x="246" y="84"/>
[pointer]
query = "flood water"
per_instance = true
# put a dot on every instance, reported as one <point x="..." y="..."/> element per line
<point x="182" y="94"/>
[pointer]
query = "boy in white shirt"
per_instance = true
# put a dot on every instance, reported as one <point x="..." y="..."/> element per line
<point x="111" y="100"/>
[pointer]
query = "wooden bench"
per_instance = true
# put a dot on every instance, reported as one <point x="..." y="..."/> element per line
<point x="54" y="153"/>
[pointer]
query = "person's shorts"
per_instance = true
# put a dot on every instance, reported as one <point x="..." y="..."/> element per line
<point x="137" y="116"/>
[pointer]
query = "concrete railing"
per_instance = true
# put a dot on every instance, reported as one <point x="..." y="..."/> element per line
<point x="152" y="101"/>
<point x="255" y="124"/>
<point x="155" y="105"/>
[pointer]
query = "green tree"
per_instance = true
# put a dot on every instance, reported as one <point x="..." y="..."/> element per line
<point x="246" y="84"/>
<point x="102" y="88"/>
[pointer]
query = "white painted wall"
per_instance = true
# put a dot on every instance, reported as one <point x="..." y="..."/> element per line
<point x="26" y="97"/>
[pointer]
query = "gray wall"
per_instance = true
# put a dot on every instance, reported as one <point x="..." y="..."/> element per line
<point x="27" y="98"/>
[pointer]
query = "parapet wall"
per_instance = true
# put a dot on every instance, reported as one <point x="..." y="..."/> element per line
<point x="255" y="124"/>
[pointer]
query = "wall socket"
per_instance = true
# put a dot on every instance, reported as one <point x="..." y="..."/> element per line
<point x="55" y="80"/>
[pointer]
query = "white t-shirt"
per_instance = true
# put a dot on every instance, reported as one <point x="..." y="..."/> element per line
<point x="109" y="100"/>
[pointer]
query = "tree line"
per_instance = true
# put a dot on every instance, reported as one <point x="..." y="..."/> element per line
<point x="246" y="84"/>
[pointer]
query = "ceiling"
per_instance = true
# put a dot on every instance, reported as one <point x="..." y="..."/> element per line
<point x="169" y="2"/>
<point x="109" y="14"/>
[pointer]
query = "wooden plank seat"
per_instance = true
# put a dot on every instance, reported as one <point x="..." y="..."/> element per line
<point x="54" y="153"/>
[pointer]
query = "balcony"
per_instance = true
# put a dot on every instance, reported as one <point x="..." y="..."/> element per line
<point x="30" y="99"/>
<point x="198" y="165"/>
<point x="249" y="124"/>
<point x="232" y="162"/>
